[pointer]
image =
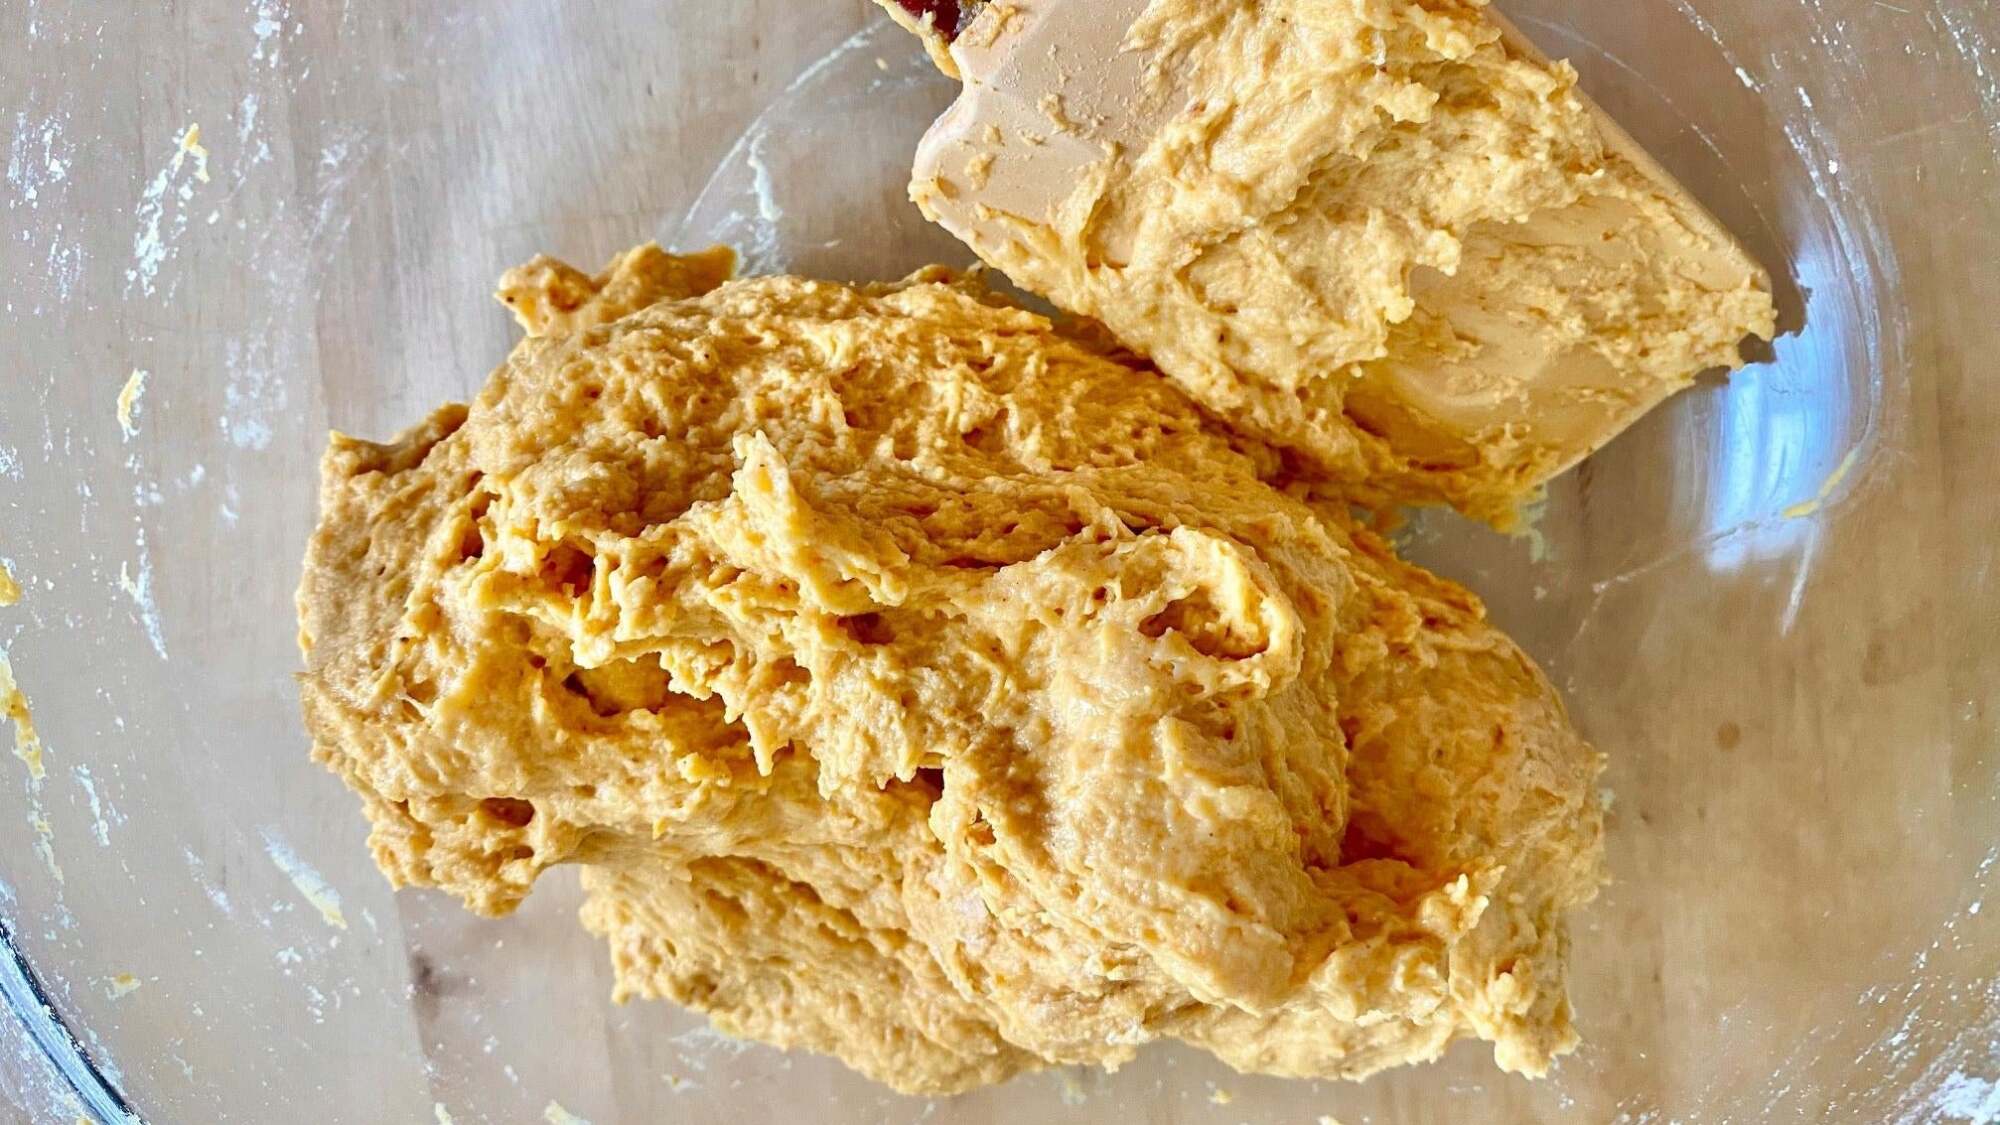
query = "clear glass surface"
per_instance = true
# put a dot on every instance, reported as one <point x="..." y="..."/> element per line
<point x="1773" y="603"/>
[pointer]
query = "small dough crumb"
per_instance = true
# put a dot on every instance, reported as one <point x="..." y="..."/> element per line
<point x="979" y="169"/>
<point x="190" y="146"/>
<point x="45" y="844"/>
<point x="14" y="706"/>
<point x="128" y="402"/>
<point x="1052" y="108"/>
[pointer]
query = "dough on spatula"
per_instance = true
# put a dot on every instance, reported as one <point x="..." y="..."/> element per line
<point x="1383" y="234"/>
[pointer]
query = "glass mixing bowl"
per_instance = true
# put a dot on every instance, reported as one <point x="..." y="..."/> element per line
<point x="1773" y="603"/>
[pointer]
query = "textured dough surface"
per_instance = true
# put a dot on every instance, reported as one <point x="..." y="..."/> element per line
<point x="924" y="684"/>
<point x="1381" y="233"/>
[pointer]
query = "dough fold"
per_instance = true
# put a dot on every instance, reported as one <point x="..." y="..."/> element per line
<point x="926" y="684"/>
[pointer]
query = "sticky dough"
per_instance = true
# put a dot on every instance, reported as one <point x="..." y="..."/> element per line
<point x="919" y="682"/>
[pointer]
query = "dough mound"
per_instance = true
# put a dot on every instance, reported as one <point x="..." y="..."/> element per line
<point x="922" y="683"/>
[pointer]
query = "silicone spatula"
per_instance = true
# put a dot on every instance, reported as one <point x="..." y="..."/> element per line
<point x="1022" y="62"/>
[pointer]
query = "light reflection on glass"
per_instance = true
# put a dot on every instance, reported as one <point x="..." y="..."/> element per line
<point x="1783" y="428"/>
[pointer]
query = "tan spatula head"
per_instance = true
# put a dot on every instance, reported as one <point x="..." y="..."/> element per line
<point x="1390" y="236"/>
